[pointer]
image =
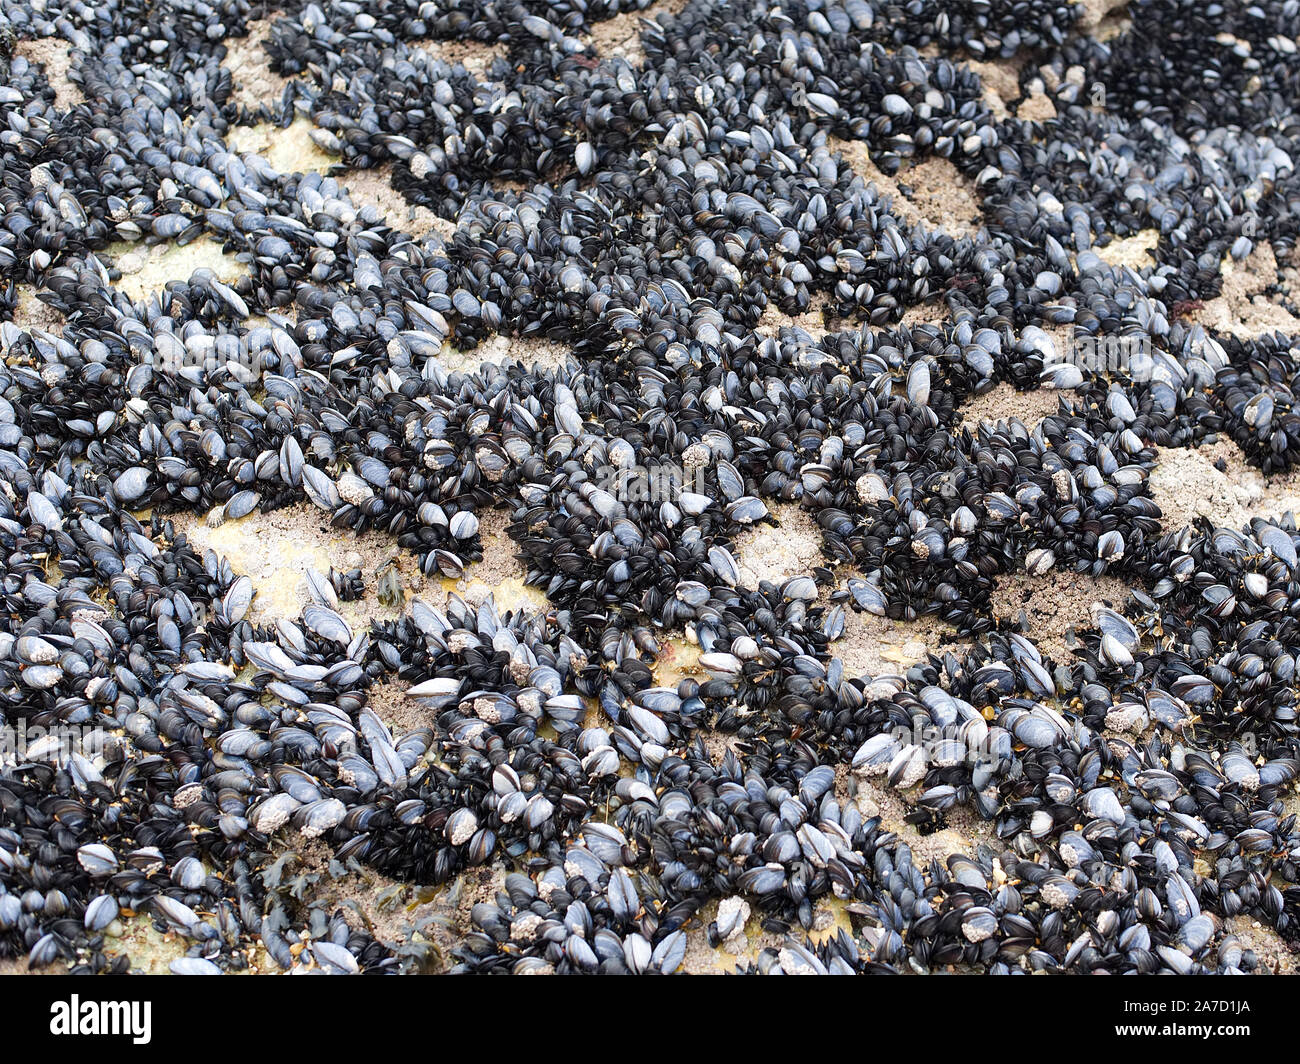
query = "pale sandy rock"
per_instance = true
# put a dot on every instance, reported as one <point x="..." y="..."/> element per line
<point x="792" y="548"/>
<point x="964" y="832"/>
<point x="1062" y="337"/>
<point x="290" y="151"/>
<point x="1112" y="25"/>
<point x="1001" y="81"/>
<point x="829" y="917"/>
<point x="1275" y="954"/>
<point x="938" y="194"/>
<point x="944" y="197"/>
<point x="1054" y="604"/>
<point x="376" y="187"/>
<point x="813" y="322"/>
<point x="1289" y="277"/>
<point x="1002" y="402"/>
<point x="931" y="312"/>
<point x="1240" y="308"/>
<point x="1187" y="484"/>
<point x="255" y="83"/>
<point x="877" y="646"/>
<point x="678" y="659"/>
<point x="620" y="36"/>
<point x="1131" y="251"/>
<point x="476" y="57"/>
<point x="390" y="909"/>
<point x="151" y="951"/>
<point x="718" y="745"/>
<point x="499" y="574"/>
<point x="1037" y="106"/>
<point x="502" y="185"/>
<point x="531" y="351"/>
<point x="147" y="269"/>
<point x="739" y="951"/>
<point x="388" y="699"/>
<point x="1096" y="10"/>
<point x="54" y="56"/>
<point x="275" y="551"/>
<point x="30" y="312"/>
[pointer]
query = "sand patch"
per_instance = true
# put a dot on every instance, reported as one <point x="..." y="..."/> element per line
<point x="1001" y="81"/>
<point x="964" y="832"/>
<point x="1063" y="342"/>
<point x="531" y="351"/>
<point x="812" y="321"/>
<point x="792" y="548"/>
<point x="146" y="269"/>
<point x="1037" y="106"/>
<point x="742" y="949"/>
<point x="388" y="699"/>
<point x="360" y="888"/>
<point x="151" y="951"/>
<point x="830" y="916"/>
<point x="620" y="36"/>
<point x="476" y="57"/>
<point x="275" y="550"/>
<point x="1134" y="251"/>
<point x="1113" y="25"/>
<point x="368" y="898"/>
<point x="442" y="914"/>
<point x="1291" y="804"/>
<point x="1289" y="276"/>
<point x="877" y="646"/>
<point x="1240" y="308"/>
<point x="500" y="574"/>
<point x="718" y="745"/>
<point x="943" y="196"/>
<point x="1186" y="484"/>
<point x="856" y="155"/>
<point x="255" y="83"/>
<point x="388" y="909"/>
<point x="376" y="187"/>
<point x="1002" y="402"/>
<point x="1271" y="948"/>
<point x="289" y="151"/>
<point x="30" y="312"/>
<point x="54" y="56"/>
<point x="678" y="659"/>
<point x="1055" y="605"/>
<point x="1096" y="10"/>
<point x="931" y="192"/>
<point x="931" y="312"/>
<point x="508" y="186"/>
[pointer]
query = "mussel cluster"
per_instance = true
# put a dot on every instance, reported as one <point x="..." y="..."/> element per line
<point x="649" y="212"/>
